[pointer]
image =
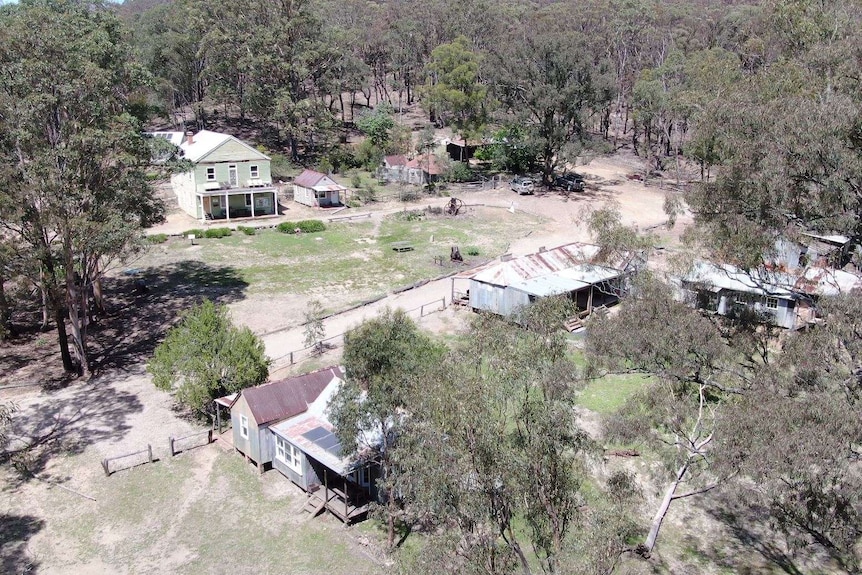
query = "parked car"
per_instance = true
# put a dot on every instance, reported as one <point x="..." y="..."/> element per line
<point x="570" y="182"/>
<point x="522" y="186"/>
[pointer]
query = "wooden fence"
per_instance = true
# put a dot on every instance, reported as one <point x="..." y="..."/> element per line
<point x="106" y="463"/>
<point x="177" y="445"/>
<point x="338" y="340"/>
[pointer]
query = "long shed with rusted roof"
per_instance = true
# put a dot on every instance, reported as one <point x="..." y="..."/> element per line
<point x="589" y="274"/>
<point x="255" y="409"/>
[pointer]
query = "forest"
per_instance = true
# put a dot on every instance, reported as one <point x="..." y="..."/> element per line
<point x="753" y="108"/>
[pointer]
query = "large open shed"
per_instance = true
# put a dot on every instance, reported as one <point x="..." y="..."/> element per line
<point x="587" y="273"/>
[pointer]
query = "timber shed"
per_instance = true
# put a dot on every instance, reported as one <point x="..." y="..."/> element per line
<point x="590" y="275"/>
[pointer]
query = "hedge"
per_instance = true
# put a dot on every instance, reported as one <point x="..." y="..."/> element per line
<point x="305" y="226"/>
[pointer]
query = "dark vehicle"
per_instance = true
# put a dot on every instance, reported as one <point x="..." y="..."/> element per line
<point x="522" y="186"/>
<point x="570" y="182"/>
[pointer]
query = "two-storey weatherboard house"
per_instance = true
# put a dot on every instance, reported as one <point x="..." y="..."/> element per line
<point x="229" y="179"/>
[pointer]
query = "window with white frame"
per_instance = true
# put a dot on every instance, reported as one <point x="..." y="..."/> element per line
<point x="288" y="454"/>
<point x="211" y="175"/>
<point x="772" y="303"/>
<point x="254" y="172"/>
<point x="243" y="426"/>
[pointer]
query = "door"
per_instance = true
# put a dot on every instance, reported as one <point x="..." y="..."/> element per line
<point x="232" y="176"/>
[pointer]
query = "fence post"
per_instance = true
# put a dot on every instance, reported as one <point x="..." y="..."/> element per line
<point x="150" y="452"/>
<point x="422" y="310"/>
<point x="291" y="358"/>
<point x="105" y="467"/>
<point x="210" y="437"/>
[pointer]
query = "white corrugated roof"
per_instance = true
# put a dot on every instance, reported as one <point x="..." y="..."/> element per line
<point x="726" y="276"/>
<point x="206" y="141"/>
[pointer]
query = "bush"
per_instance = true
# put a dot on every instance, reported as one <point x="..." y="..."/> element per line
<point x="304" y="226"/>
<point x="410" y="215"/>
<point x="472" y="251"/>
<point x="281" y="168"/>
<point x="217" y="233"/>
<point x="249" y="231"/>
<point x="460" y="172"/>
<point x="196" y="232"/>
<point x="356" y="181"/>
<point x="157" y="238"/>
<point x="367" y="194"/>
<point x="408" y="195"/>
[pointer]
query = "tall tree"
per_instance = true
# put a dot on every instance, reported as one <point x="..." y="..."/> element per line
<point x="385" y="359"/>
<point x="453" y="93"/>
<point x="547" y="80"/>
<point x="78" y="192"/>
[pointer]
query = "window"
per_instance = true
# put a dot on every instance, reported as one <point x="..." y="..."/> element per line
<point x="243" y="426"/>
<point x="363" y="476"/>
<point x="211" y="177"/>
<point x="772" y="303"/>
<point x="288" y="454"/>
<point x="253" y="172"/>
<point x="248" y="200"/>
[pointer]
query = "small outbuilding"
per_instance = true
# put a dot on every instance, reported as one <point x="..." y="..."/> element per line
<point x="315" y="189"/>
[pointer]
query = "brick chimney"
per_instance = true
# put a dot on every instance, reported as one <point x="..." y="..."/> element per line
<point x="190" y="137"/>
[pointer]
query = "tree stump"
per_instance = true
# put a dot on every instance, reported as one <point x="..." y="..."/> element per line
<point x="455" y="255"/>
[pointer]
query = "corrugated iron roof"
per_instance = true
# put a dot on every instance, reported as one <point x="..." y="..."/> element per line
<point x="206" y="141"/>
<point x="294" y="431"/>
<point x="309" y="178"/>
<point x="569" y="256"/>
<point x="729" y="277"/>
<point x="427" y="163"/>
<point x="289" y="397"/>
<point x="568" y="280"/>
<point x="824" y="282"/>
<point x="814" y="280"/>
<point x="396" y="160"/>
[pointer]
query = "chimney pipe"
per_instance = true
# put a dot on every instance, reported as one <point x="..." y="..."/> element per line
<point x="190" y="137"/>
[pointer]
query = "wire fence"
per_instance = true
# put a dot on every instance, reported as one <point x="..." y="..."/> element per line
<point x="338" y="340"/>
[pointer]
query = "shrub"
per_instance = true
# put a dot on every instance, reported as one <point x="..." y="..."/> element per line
<point x="367" y="195"/>
<point x="196" y="232"/>
<point x="356" y="181"/>
<point x="305" y="226"/>
<point x="472" y="251"/>
<point x="217" y="233"/>
<point x="460" y="172"/>
<point x="410" y="215"/>
<point x="247" y="230"/>
<point x="408" y="195"/>
<point x="157" y="238"/>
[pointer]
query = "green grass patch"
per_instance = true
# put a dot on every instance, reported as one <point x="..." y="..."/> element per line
<point x="607" y="394"/>
<point x="157" y="238"/>
<point x="355" y="258"/>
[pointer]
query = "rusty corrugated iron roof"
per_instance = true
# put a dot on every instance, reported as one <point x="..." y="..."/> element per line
<point x="288" y="397"/>
<point x="516" y="270"/>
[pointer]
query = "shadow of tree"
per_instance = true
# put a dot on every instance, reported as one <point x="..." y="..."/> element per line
<point x="747" y="522"/>
<point x="15" y="531"/>
<point x="141" y="307"/>
<point x="67" y="423"/>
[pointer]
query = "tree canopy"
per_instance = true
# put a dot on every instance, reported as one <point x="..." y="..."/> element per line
<point x="205" y="356"/>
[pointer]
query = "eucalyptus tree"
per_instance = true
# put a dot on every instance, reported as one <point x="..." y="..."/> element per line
<point x="549" y="82"/>
<point x="77" y="192"/>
